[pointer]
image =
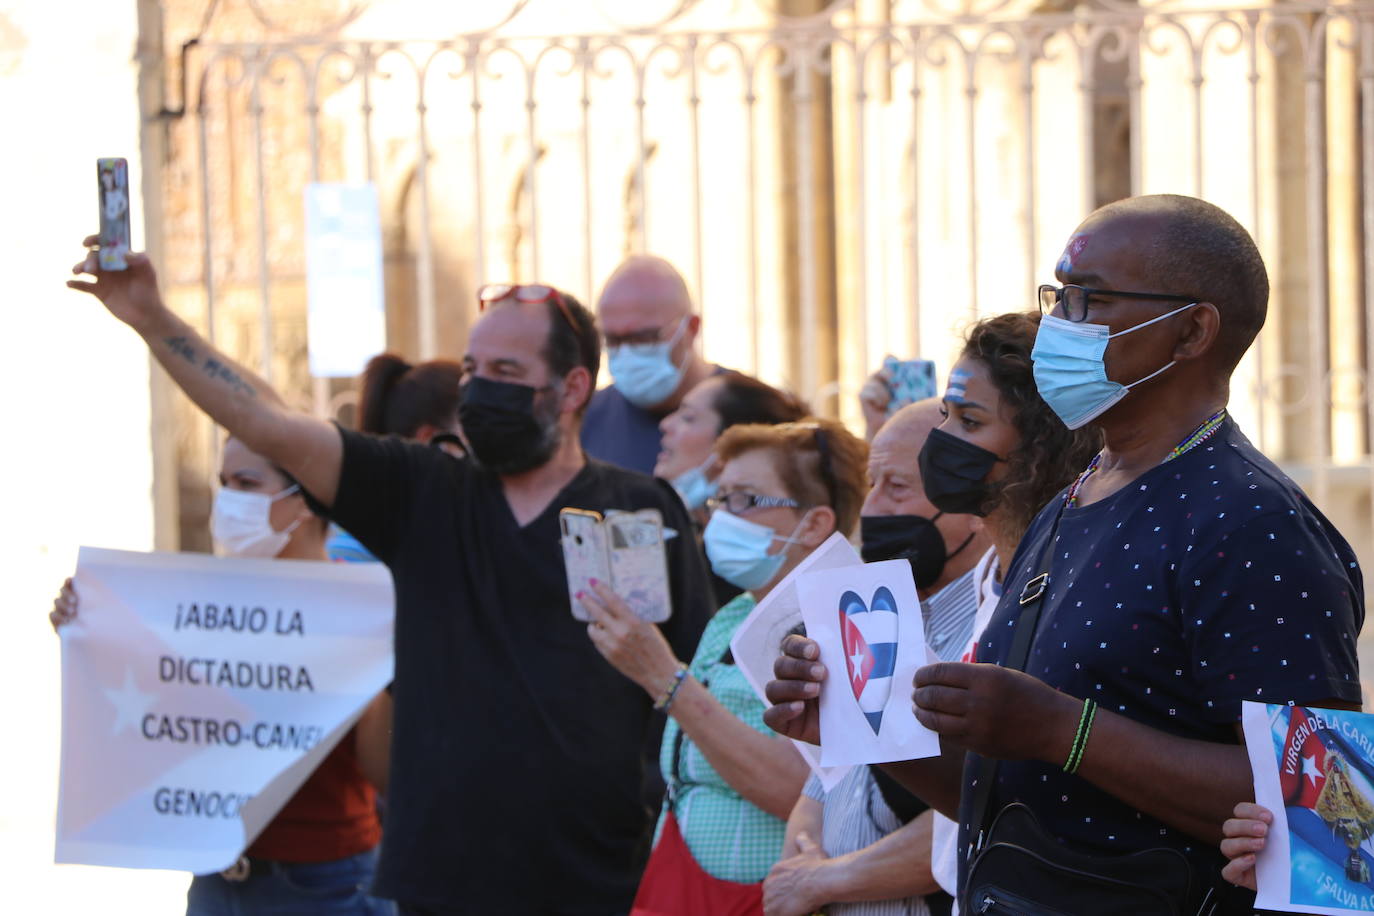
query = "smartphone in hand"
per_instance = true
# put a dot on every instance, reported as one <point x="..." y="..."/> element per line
<point x="622" y="549"/>
<point x="911" y="380"/>
<point x="113" y="175"/>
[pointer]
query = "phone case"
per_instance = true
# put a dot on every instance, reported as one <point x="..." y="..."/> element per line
<point x="639" y="567"/>
<point x="624" y="549"/>
<point x="912" y="380"/>
<point x="113" y="177"/>
<point x="585" y="553"/>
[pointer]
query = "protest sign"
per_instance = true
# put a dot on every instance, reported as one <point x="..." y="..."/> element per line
<point x="1314" y="768"/>
<point x="198" y="693"/>
<point x="867" y="620"/>
<point x="758" y="639"/>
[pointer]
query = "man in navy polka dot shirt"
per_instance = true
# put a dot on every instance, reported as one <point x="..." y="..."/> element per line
<point x="1187" y="572"/>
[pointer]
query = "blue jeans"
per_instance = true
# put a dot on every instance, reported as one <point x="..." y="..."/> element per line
<point x="337" y="888"/>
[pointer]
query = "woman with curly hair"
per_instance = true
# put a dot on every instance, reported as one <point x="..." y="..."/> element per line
<point x="1002" y="454"/>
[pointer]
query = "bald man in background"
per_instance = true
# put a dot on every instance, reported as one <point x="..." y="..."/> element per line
<point x="650" y="329"/>
<point x="863" y="848"/>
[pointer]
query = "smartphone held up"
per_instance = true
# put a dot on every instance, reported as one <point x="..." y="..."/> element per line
<point x="113" y="175"/>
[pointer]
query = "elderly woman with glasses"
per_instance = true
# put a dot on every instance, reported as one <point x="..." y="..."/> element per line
<point x="782" y="491"/>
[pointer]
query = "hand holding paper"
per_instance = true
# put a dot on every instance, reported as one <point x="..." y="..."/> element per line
<point x="1245" y="834"/>
<point x="995" y="711"/>
<point x="795" y="691"/>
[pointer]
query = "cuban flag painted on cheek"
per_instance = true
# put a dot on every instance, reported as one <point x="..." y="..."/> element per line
<point x="870" y="647"/>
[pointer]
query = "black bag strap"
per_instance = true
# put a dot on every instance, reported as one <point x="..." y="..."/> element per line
<point x="1032" y="596"/>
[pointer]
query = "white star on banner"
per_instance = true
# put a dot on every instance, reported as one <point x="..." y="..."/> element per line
<point x="1311" y="770"/>
<point x="858" y="660"/>
<point x="130" y="703"/>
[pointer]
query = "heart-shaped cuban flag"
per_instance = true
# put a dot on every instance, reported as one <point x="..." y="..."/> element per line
<point x="870" y="650"/>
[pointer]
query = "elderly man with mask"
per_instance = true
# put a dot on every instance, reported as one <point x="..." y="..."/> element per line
<point x="651" y="332"/>
<point x="1187" y="574"/>
<point x="864" y="847"/>
<point x="516" y="763"/>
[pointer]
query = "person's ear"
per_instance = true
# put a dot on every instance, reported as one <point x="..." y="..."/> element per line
<point x="577" y="389"/>
<point x="818" y="525"/>
<point x="689" y="336"/>
<point x="1200" y="332"/>
<point x="303" y="515"/>
<point x="425" y="432"/>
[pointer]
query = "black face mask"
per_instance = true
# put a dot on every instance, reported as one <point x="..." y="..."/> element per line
<point x="955" y="474"/>
<point x="913" y="538"/>
<point x="506" y="433"/>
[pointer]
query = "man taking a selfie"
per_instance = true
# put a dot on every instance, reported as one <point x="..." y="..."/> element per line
<point x="516" y="753"/>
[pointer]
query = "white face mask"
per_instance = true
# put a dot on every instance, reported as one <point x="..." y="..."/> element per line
<point x="241" y="524"/>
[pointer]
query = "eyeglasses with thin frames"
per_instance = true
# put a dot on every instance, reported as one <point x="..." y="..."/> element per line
<point x="739" y="501"/>
<point x="1072" y="299"/>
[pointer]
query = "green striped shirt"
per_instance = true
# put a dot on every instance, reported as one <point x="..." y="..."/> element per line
<point x="729" y="837"/>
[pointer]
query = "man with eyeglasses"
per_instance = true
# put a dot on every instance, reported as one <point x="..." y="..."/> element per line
<point x="650" y="331"/>
<point x="1187" y="573"/>
<point x="516" y="770"/>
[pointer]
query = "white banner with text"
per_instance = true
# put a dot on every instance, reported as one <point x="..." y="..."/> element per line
<point x="199" y="693"/>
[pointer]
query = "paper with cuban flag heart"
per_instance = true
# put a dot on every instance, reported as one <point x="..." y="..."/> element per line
<point x="867" y="620"/>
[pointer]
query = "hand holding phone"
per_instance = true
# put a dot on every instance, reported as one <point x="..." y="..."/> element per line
<point x="909" y="380"/>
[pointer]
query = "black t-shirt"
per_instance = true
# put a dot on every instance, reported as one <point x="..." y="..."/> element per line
<point x="516" y="751"/>
<point x="1209" y="580"/>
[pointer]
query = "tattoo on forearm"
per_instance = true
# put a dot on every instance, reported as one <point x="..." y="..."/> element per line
<point x="211" y="366"/>
<point x="216" y="369"/>
<point x="182" y="347"/>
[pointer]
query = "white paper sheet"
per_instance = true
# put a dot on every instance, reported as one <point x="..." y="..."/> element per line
<point x="199" y="692"/>
<point x="867" y="620"/>
<point x="1312" y="766"/>
<point x="756" y="642"/>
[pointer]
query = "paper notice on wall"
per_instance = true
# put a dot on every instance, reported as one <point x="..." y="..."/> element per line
<point x="345" y="291"/>
<point x="199" y="693"/>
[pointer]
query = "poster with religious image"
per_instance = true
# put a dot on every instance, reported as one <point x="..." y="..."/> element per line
<point x="1314" y="768"/>
<point x="867" y="620"/>
<point x="199" y="693"/>
<point x="758" y="640"/>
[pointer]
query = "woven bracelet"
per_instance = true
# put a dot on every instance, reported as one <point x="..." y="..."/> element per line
<point x="1080" y="739"/>
<point x="671" y="691"/>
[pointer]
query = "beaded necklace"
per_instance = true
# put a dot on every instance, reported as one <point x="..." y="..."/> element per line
<point x="1193" y="439"/>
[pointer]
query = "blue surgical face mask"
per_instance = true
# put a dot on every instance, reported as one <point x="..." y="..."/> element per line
<point x="1069" y="372"/>
<point x="645" y="373"/>
<point x="738" y="550"/>
<point x="694" y="487"/>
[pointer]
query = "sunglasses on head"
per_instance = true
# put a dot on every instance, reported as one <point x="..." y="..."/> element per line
<point x="529" y="294"/>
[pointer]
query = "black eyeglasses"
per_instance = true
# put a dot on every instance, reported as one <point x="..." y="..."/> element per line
<point x="740" y="501"/>
<point x="1073" y="299"/>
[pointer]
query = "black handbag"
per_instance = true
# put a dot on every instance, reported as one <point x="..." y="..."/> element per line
<point x="1017" y="867"/>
